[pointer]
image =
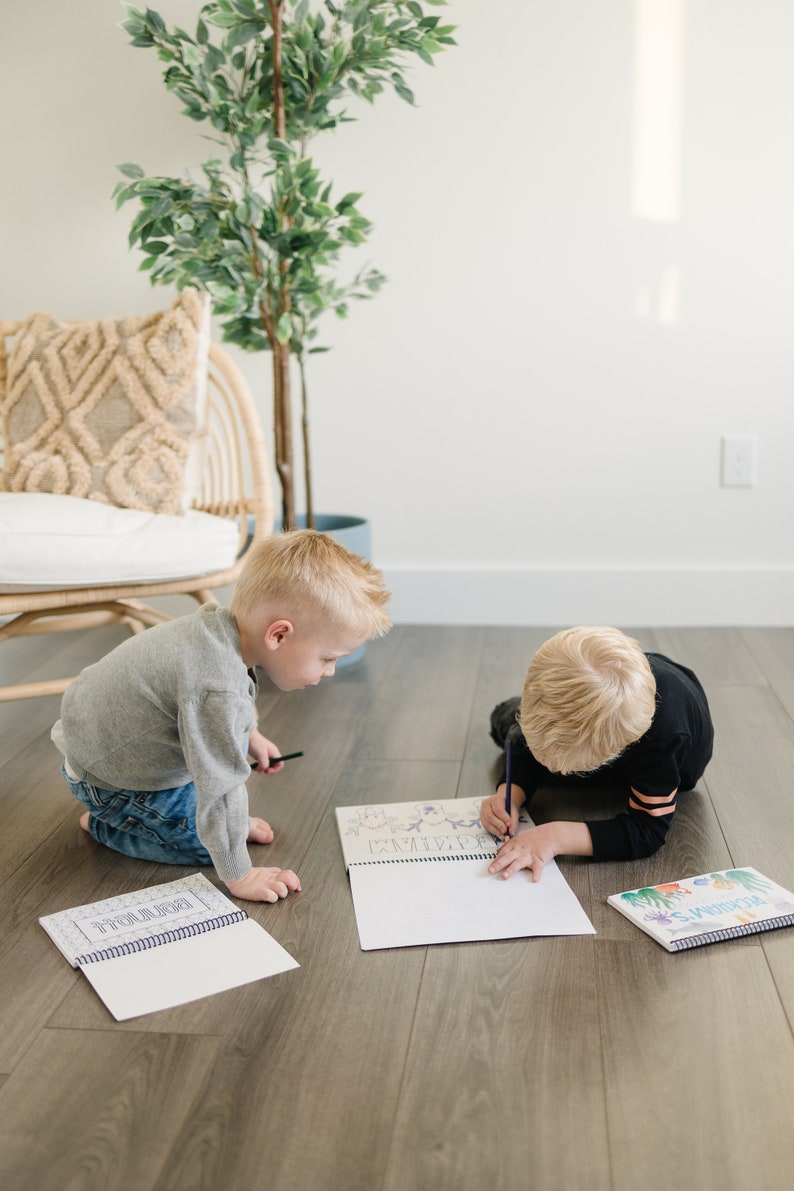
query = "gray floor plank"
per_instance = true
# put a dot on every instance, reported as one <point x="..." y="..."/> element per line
<point x="699" y="1068"/>
<point x="773" y="650"/>
<point x="749" y="778"/>
<point x="423" y="711"/>
<point x="34" y="799"/>
<point x="718" y="656"/>
<point x="599" y="1062"/>
<point x="118" y="1131"/>
<point x="504" y="1085"/>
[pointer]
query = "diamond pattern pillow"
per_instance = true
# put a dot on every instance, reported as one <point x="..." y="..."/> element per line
<point x="106" y="409"/>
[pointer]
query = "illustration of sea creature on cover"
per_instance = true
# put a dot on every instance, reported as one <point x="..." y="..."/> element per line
<point x="420" y="817"/>
<point x="735" y="897"/>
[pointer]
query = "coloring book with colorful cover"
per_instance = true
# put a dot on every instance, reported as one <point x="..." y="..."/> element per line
<point x="419" y="875"/>
<point x="707" y="909"/>
<point x="165" y="945"/>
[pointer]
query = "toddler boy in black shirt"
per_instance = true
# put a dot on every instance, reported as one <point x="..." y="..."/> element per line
<point x="595" y="706"/>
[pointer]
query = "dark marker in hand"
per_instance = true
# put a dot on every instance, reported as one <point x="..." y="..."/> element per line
<point x="508" y="780"/>
<point x="275" y="760"/>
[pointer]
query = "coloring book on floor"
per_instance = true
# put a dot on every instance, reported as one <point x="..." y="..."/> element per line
<point x="419" y="874"/>
<point x="707" y="909"/>
<point x="163" y="946"/>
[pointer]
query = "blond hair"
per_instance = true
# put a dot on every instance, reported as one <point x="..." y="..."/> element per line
<point x="304" y="573"/>
<point x="588" y="694"/>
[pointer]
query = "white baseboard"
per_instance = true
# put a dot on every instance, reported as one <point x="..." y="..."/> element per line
<point x="621" y="596"/>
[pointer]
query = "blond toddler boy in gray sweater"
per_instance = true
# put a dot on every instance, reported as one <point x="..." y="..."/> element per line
<point x="157" y="735"/>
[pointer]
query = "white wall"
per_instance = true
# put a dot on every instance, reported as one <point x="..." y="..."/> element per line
<point x="530" y="413"/>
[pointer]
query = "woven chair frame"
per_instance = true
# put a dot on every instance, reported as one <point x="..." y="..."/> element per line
<point x="236" y="484"/>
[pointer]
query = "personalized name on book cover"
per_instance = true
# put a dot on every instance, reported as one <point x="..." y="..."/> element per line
<point x="165" y="945"/>
<point x="707" y="909"/>
<point x="419" y="875"/>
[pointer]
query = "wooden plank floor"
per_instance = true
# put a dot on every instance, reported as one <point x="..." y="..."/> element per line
<point x="598" y="1062"/>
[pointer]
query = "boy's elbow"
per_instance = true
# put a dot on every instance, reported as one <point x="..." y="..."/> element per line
<point x="646" y="847"/>
<point x="627" y="836"/>
<point x="649" y="837"/>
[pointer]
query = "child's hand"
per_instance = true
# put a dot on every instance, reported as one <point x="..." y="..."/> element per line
<point x="494" y="816"/>
<point x="532" y="849"/>
<point x="262" y="749"/>
<point x="260" y="832"/>
<point x="264" y="884"/>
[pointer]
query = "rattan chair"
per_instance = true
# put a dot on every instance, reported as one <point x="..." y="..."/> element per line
<point x="236" y="485"/>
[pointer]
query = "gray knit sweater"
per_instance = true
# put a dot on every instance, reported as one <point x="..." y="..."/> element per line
<point x="169" y="705"/>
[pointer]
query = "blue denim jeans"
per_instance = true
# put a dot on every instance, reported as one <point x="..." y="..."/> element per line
<point x="145" y="824"/>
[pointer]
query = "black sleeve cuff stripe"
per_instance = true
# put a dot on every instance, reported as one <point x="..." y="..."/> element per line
<point x="648" y="802"/>
<point x="662" y="812"/>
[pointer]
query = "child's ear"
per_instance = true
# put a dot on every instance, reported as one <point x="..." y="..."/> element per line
<point x="276" y="632"/>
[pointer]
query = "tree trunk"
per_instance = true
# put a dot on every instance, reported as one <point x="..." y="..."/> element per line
<point x="279" y="117"/>
<point x="307" y="462"/>
<point x="282" y="396"/>
<point x="282" y="430"/>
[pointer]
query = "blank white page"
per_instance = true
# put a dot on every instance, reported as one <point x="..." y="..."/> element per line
<point x="175" y="973"/>
<point x="411" y="904"/>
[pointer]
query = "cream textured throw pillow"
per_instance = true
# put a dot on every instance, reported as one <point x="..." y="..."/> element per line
<point x="105" y="409"/>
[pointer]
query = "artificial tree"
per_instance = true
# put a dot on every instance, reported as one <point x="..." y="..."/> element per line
<point x="259" y="229"/>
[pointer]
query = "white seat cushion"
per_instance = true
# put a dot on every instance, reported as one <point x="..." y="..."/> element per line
<point x="50" y="542"/>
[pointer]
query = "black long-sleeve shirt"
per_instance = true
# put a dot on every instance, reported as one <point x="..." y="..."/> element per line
<point x="671" y="756"/>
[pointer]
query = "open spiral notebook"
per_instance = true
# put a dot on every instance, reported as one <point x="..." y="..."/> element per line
<point x="419" y="874"/>
<point x="165" y="945"/>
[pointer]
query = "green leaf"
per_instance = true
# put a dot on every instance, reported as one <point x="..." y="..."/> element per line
<point x="131" y="170"/>
<point x="192" y="57"/>
<point x="348" y="201"/>
<point x="242" y="34"/>
<point x="284" y="328"/>
<point x="214" y="59"/>
<point x="223" y="20"/>
<point x="252" y="103"/>
<point x="404" y="92"/>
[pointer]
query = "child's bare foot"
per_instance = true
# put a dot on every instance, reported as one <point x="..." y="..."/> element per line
<point x="259" y="832"/>
<point x="84" y="822"/>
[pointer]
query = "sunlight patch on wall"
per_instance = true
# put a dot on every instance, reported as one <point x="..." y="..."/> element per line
<point x="657" y="109"/>
<point x="660" y="301"/>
